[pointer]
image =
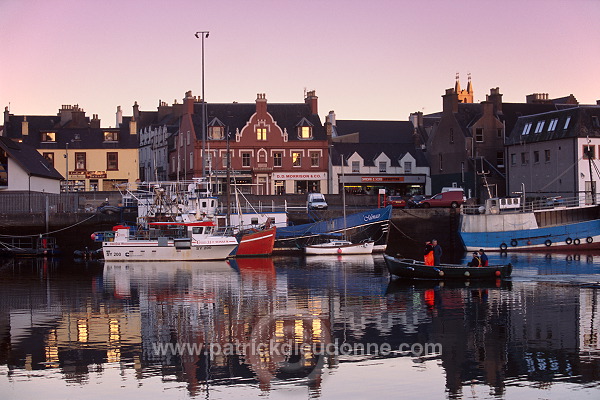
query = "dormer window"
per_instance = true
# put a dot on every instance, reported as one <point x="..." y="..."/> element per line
<point x="48" y="137"/>
<point x="526" y="129"/>
<point x="540" y="126"/>
<point x="111" y="136"/>
<point x="216" y="133"/>
<point x="304" y="128"/>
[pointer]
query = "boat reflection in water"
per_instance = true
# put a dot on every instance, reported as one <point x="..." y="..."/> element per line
<point x="238" y="325"/>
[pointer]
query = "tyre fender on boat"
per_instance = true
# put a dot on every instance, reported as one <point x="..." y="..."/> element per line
<point x="576" y="241"/>
<point x="568" y="240"/>
<point x="503" y="247"/>
<point x="548" y="243"/>
<point x="589" y="239"/>
<point x="513" y="243"/>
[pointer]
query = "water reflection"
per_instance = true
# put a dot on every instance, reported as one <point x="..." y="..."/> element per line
<point x="268" y="326"/>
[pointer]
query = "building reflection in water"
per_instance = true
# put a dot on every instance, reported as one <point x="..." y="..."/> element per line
<point x="256" y="315"/>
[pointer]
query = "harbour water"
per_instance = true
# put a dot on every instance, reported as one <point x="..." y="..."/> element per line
<point x="292" y="327"/>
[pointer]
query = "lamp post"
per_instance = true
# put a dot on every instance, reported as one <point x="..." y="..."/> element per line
<point x="202" y="35"/>
<point x="67" y="167"/>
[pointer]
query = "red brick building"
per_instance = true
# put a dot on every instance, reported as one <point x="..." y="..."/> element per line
<point x="275" y="148"/>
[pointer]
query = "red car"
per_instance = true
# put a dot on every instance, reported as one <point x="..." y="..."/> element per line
<point x="394" y="201"/>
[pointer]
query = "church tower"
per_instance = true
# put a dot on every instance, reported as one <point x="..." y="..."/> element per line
<point x="464" y="96"/>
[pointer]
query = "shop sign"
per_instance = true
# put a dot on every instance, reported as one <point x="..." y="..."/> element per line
<point x="382" y="179"/>
<point x="312" y="176"/>
<point x="96" y="174"/>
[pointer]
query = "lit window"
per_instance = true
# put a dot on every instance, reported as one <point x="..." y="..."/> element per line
<point x="216" y="133"/>
<point x="111" y="136"/>
<point x="245" y="159"/>
<point x="526" y="129"/>
<point x="277" y="159"/>
<point x="567" y="122"/>
<point x="314" y="159"/>
<point x="296" y="159"/>
<point x="305" y="132"/>
<point x="112" y="161"/>
<point x="355" y="166"/>
<point x="261" y="133"/>
<point x="48" y="136"/>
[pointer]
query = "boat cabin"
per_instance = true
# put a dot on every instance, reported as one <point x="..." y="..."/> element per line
<point x="497" y="205"/>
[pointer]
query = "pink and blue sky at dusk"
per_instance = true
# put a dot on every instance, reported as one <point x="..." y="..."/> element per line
<point x="366" y="59"/>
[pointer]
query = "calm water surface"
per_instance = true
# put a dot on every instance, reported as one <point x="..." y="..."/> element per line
<point x="322" y="327"/>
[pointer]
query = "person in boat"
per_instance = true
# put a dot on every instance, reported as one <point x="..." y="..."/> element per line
<point x="476" y="261"/>
<point x="437" y="252"/>
<point x="428" y="254"/>
<point x="484" y="258"/>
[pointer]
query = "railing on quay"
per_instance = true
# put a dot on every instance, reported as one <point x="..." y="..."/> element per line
<point x="536" y="204"/>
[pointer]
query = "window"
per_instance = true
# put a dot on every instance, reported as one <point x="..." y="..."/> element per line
<point x="552" y="124"/>
<point x="382" y="166"/>
<point x="536" y="157"/>
<point x="479" y="134"/>
<point x="261" y="133"/>
<point x="567" y="122"/>
<point x="112" y="161"/>
<point x="216" y="133"/>
<point x="499" y="132"/>
<point x="540" y="126"/>
<point x="407" y="167"/>
<point x="314" y="159"/>
<point x="80" y="161"/>
<point x="277" y="159"/>
<point x="192" y="160"/>
<point x="589" y="152"/>
<point x="305" y="132"/>
<point x="547" y="155"/>
<point x="524" y="158"/>
<point x="48" y="136"/>
<point x="296" y="159"/>
<point x="111" y="136"/>
<point x="595" y="121"/>
<point x="500" y="159"/>
<point x="513" y="159"/>
<point x="355" y="167"/>
<point x="224" y="158"/>
<point x="441" y="161"/>
<point x="187" y="138"/>
<point x="245" y="159"/>
<point x="3" y="168"/>
<point x="526" y="129"/>
<point x="451" y="135"/>
<point x="49" y="157"/>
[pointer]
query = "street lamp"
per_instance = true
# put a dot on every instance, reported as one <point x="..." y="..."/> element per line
<point x="202" y="35"/>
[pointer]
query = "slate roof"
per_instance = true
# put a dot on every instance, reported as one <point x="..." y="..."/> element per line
<point x="370" y="151"/>
<point x="29" y="159"/>
<point x="236" y="115"/>
<point x="89" y="138"/>
<point x="377" y="131"/>
<point x="581" y="124"/>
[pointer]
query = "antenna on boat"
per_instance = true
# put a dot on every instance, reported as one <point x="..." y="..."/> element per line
<point x="344" y="196"/>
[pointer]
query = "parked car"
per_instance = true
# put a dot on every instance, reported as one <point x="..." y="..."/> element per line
<point x="413" y="201"/>
<point x="453" y="198"/>
<point x="394" y="201"/>
<point x="316" y="201"/>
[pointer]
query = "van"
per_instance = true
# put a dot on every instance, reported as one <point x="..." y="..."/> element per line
<point x="316" y="201"/>
<point x="451" y="198"/>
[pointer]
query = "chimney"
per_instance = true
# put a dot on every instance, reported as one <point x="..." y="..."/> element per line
<point x="6" y="116"/>
<point x="487" y="107"/>
<point x="495" y="97"/>
<point x="540" y="98"/>
<point x="261" y="105"/>
<point x="597" y="103"/>
<point x="450" y="102"/>
<point x="331" y="117"/>
<point x="133" y="127"/>
<point x="119" y="117"/>
<point x="65" y="114"/>
<point x="417" y="119"/>
<point x="312" y="101"/>
<point x="24" y="126"/>
<point x="136" y="111"/>
<point x="189" y="103"/>
<point x="95" y="122"/>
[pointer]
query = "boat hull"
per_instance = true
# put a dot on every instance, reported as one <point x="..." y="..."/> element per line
<point x="357" y="248"/>
<point x="151" y="251"/>
<point x="412" y="269"/>
<point x="257" y="244"/>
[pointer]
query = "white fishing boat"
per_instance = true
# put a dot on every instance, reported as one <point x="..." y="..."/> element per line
<point x="167" y="241"/>
<point x="336" y="247"/>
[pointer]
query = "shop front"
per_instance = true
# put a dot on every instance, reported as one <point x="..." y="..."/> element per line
<point x="298" y="182"/>
<point x="402" y="185"/>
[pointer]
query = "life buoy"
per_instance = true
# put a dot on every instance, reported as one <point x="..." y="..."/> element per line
<point x="503" y="247"/>
<point x="576" y="241"/>
<point x="548" y="243"/>
<point x="513" y="243"/>
<point x="568" y="240"/>
<point x="339" y="251"/>
<point x="589" y="239"/>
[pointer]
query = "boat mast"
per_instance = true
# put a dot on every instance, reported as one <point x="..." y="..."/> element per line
<point x="592" y="183"/>
<point x="343" y="195"/>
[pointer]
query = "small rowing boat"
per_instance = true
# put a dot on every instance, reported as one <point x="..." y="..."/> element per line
<point x="413" y="269"/>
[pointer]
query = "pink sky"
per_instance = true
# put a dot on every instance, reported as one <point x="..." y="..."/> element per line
<point x="365" y="59"/>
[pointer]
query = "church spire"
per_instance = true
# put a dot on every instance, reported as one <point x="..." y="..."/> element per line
<point x="457" y="84"/>
<point x="469" y="85"/>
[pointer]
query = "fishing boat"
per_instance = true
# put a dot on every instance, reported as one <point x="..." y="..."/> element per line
<point x="413" y="269"/>
<point x="167" y="241"/>
<point x="337" y="247"/>
<point x="256" y="243"/>
<point x="551" y="224"/>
